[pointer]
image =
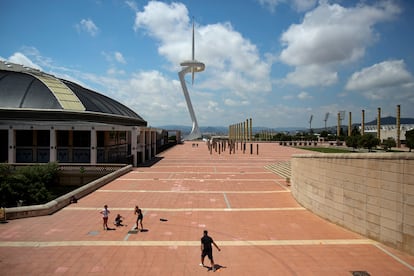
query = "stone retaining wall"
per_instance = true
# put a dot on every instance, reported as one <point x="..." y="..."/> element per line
<point x="62" y="201"/>
<point x="369" y="193"/>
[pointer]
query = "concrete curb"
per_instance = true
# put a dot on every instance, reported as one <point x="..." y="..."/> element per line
<point x="62" y="201"/>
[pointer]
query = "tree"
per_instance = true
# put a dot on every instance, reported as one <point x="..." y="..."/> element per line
<point x="409" y="139"/>
<point x="29" y="184"/>
<point x="389" y="143"/>
<point x="352" y="141"/>
<point x="324" y="134"/>
<point x="368" y="141"/>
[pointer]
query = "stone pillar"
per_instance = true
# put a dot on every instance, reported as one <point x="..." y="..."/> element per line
<point x="339" y="125"/>
<point x="247" y="130"/>
<point x="363" y="123"/>
<point x="398" y="126"/>
<point x="379" y="124"/>
<point x="94" y="144"/>
<point x="251" y="130"/>
<point x="350" y="124"/>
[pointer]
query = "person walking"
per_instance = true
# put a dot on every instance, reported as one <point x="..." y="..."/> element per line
<point x="207" y="250"/>
<point x="140" y="217"/>
<point x="105" y="214"/>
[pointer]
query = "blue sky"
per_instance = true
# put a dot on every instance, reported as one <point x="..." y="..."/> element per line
<point x="275" y="61"/>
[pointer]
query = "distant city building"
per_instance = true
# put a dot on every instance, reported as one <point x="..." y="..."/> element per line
<point x="389" y="127"/>
<point x="47" y="119"/>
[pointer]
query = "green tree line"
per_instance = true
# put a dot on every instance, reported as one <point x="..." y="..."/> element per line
<point x="29" y="185"/>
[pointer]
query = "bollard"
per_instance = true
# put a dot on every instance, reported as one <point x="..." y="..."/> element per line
<point x="257" y="149"/>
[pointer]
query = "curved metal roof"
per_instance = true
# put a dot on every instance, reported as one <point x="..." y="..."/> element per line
<point x="30" y="90"/>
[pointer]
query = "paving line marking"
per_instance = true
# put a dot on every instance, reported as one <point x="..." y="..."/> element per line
<point x="186" y="243"/>
<point x="192" y="209"/>
<point x="394" y="257"/>
<point x="192" y="192"/>
<point x="227" y="201"/>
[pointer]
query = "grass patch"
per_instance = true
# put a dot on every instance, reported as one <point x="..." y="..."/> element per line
<point x="327" y="150"/>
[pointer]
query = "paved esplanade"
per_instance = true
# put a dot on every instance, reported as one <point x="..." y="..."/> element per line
<point x="247" y="209"/>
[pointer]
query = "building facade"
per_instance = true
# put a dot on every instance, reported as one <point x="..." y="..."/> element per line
<point x="47" y="119"/>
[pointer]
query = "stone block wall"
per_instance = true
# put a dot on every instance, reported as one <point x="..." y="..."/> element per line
<point x="369" y="193"/>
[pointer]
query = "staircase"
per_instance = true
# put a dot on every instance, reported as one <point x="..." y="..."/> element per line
<point x="280" y="168"/>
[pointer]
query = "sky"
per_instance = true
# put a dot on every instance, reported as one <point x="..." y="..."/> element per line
<point x="278" y="62"/>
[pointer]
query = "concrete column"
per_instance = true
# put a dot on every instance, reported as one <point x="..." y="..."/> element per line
<point x="363" y="123"/>
<point x="12" y="146"/>
<point x="379" y="124"/>
<point x="398" y="126"/>
<point x="339" y="125"/>
<point x="251" y="130"/>
<point x="94" y="144"/>
<point x="52" y="144"/>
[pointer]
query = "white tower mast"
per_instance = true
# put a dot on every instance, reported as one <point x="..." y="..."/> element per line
<point x="192" y="66"/>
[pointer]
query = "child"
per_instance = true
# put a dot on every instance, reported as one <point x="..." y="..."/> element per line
<point x="118" y="220"/>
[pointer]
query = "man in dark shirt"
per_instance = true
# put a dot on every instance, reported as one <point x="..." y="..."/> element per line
<point x="207" y="250"/>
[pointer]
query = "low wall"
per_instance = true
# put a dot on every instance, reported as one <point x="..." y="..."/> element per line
<point x="62" y="201"/>
<point x="369" y="193"/>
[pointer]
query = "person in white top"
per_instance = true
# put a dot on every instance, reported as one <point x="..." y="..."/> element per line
<point x="105" y="214"/>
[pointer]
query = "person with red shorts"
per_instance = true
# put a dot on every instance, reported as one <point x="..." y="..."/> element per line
<point x="105" y="214"/>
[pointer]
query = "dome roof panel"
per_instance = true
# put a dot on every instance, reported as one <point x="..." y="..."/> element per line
<point x="23" y="87"/>
<point x="19" y="90"/>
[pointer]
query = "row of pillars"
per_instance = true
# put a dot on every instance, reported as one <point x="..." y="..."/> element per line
<point x="220" y="146"/>
<point x="398" y="128"/>
<point x="242" y="131"/>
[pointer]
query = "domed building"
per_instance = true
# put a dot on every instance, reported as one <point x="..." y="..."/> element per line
<point x="47" y="119"/>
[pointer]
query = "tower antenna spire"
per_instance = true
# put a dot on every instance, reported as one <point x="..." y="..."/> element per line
<point x="191" y="66"/>
<point x="193" y="56"/>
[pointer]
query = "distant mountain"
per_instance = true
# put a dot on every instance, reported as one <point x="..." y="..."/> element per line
<point x="220" y="130"/>
<point x="392" y="121"/>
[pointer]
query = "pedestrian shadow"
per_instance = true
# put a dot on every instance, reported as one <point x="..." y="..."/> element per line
<point x="216" y="266"/>
<point x="136" y="231"/>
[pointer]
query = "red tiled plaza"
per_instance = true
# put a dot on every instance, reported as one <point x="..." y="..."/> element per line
<point x="247" y="209"/>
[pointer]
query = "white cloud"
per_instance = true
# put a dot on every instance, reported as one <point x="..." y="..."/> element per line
<point x="132" y="5"/>
<point x="312" y="75"/>
<point x="119" y="57"/>
<point x="304" y="96"/>
<point x="113" y="59"/>
<point x="231" y="102"/>
<point x="87" y="25"/>
<point x="20" y="58"/>
<point x="299" y="5"/>
<point x="231" y="60"/>
<point x="330" y="36"/>
<point x="385" y="74"/>
<point x="388" y="79"/>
